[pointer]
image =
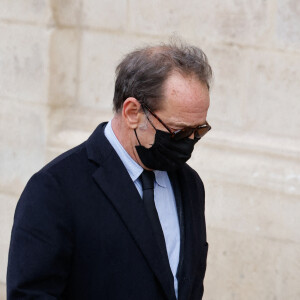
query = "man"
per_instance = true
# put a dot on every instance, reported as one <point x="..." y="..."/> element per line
<point x="97" y="222"/>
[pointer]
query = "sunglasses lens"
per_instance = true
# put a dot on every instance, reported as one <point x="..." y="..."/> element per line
<point x="188" y="131"/>
<point x="200" y="132"/>
<point x="184" y="133"/>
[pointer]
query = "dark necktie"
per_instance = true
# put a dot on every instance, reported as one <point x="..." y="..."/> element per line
<point x="147" y="179"/>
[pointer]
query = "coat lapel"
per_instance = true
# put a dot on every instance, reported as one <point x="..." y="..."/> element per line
<point x="189" y="246"/>
<point x="114" y="180"/>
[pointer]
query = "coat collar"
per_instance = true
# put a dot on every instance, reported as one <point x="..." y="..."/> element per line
<point x="185" y="195"/>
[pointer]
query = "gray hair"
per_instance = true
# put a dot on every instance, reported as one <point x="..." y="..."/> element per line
<point x="143" y="72"/>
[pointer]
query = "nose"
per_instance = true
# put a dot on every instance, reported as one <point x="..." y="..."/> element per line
<point x="192" y="136"/>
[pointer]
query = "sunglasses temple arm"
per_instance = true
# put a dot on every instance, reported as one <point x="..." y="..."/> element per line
<point x="155" y="116"/>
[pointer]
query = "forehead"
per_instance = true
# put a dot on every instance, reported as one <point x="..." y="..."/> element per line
<point x="186" y="100"/>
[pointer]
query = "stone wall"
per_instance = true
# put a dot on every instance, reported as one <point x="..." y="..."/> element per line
<point x="57" y="61"/>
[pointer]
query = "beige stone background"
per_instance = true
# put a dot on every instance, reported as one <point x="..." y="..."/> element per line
<point x="57" y="61"/>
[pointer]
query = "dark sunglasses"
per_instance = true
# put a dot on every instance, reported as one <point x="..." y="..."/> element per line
<point x="185" y="132"/>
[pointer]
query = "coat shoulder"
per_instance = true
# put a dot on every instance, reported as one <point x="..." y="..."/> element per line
<point x="66" y="160"/>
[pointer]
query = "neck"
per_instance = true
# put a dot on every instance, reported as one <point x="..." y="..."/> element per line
<point x="125" y="136"/>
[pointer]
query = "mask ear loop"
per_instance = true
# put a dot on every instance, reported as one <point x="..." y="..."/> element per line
<point x="137" y="137"/>
<point x="145" y="112"/>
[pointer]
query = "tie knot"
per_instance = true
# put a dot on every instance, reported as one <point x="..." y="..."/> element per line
<point x="147" y="179"/>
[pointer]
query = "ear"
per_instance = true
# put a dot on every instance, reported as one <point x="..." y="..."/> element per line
<point x="131" y="112"/>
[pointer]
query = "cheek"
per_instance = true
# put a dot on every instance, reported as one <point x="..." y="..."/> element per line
<point x="192" y="136"/>
<point x="143" y="126"/>
<point x="149" y="140"/>
<point x="146" y="137"/>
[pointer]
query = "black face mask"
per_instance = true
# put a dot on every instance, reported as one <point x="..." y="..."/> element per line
<point x="166" y="154"/>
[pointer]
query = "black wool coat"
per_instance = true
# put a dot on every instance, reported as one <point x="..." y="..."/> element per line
<point x="81" y="232"/>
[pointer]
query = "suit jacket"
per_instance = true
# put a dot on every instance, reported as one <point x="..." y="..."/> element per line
<point x="81" y="232"/>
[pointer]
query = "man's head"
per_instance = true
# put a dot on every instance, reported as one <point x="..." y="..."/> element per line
<point x="142" y="73"/>
<point x="159" y="91"/>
